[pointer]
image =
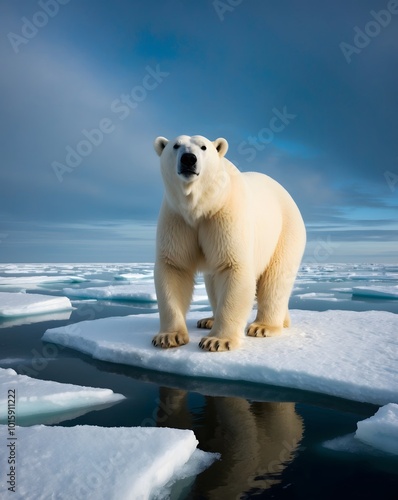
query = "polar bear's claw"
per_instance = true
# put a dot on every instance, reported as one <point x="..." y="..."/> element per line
<point x="261" y="330"/>
<point x="205" y="323"/>
<point x="167" y="340"/>
<point x="215" y="344"/>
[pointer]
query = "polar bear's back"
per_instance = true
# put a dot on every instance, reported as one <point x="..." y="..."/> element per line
<point x="275" y="213"/>
<point x="268" y="194"/>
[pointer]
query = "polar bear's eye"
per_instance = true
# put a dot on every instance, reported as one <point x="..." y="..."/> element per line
<point x="203" y="148"/>
<point x="176" y="146"/>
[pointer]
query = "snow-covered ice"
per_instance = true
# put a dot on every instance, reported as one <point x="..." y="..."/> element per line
<point x="318" y="296"/>
<point x="133" y="276"/>
<point x="41" y="399"/>
<point x="24" y="304"/>
<point x="352" y="355"/>
<point x="376" y="434"/>
<point x="381" y="430"/>
<point x="40" y="280"/>
<point x="382" y="292"/>
<point x="144" y="292"/>
<point x="35" y="318"/>
<point x="87" y="462"/>
<point x="138" y="292"/>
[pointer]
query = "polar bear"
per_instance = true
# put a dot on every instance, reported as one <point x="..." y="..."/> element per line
<point x="242" y="230"/>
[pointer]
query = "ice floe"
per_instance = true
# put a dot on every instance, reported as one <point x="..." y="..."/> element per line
<point x="129" y="276"/>
<point x="87" y="462"/>
<point x="24" y="304"/>
<point x="381" y="430"/>
<point x="144" y="292"/>
<point x="318" y="296"/>
<point x="375" y="435"/>
<point x="381" y="292"/>
<point x="9" y="322"/>
<point x="40" y="401"/>
<point x="138" y="292"/>
<point x="353" y="355"/>
<point x="35" y="280"/>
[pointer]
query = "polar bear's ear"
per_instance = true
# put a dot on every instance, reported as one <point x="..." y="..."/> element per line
<point x="221" y="145"/>
<point x="159" y="144"/>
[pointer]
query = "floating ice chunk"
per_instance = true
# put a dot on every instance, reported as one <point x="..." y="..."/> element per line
<point x="25" y="304"/>
<point x="352" y="355"/>
<point x="38" y="399"/>
<point x="34" y="280"/>
<point x="98" y="462"/>
<point x="318" y="296"/>
<point x="144" y="292"/>
<point x="35" y="318"/>
<point x="381" y="430"/>
<point x="382" y="292"/>
<point x="347" y="444"/>
<point x="130" y="276"/>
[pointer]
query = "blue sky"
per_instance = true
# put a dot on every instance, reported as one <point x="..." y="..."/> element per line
<point x="303" y="91"/>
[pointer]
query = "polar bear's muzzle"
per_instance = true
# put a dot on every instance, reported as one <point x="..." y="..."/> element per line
<point x="188" y="165"/>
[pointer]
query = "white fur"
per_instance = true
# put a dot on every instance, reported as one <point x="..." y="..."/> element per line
<point x="242" y="230"/>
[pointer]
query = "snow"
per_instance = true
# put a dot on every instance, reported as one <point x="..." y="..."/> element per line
<point x="382" y="292"/>
<point x="24" y="304"/>
<point x="88" y="462"/>
<point x="381" y="430"/>
<point x="352" y="355"/>
<point x="42" y="399"/>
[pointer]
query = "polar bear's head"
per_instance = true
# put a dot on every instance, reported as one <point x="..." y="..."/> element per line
<point x="187" y="158"/>
<point x="194" y="174"/>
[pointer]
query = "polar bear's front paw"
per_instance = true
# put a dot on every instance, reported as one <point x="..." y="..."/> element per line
<point x="216" y="344"/>
<point x="205" y="323"/>
<point x="166" y="340"/>
<point x="260" y="330"/>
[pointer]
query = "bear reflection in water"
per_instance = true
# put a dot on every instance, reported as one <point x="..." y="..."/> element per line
<point x="256" y="440"/>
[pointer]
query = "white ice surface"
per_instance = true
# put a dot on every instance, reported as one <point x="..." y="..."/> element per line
<point x="318" y="296"/>
<point x="382" y="292"/>
<point x="352" y="355"/>
<point x="41" y="397"/>
<point x="29" y="280"/>
<point x="144" y="292"/>
<point x="36" y="318"/>
<point x="381" y="430"/>
<point x="132" y="276"/>
<point x="140" y="292"/>
<point x="24" y="304"/>
<point x="87" y="462"/>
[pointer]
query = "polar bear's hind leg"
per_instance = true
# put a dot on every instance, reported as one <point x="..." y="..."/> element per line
<point x="273" y="292"/>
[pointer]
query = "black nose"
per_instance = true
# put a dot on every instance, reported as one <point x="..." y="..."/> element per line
<point x="188" y="160"/>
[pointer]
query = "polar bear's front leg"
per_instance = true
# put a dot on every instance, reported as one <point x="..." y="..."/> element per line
<point x="235" y="291"/>
<point x="174" y="288"/>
